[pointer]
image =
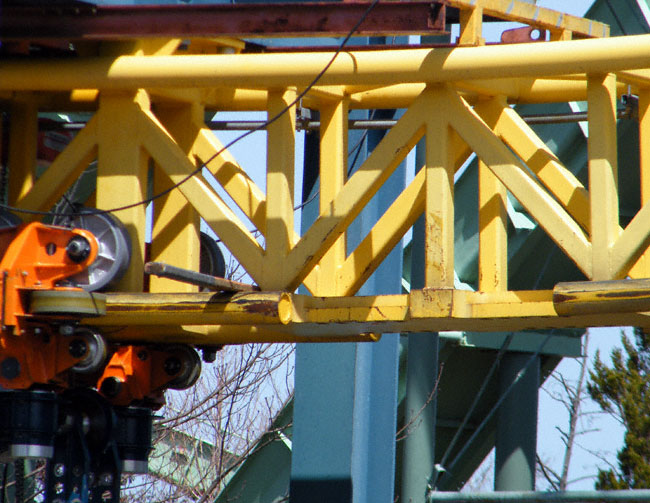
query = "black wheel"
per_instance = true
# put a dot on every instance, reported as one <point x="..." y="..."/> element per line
<point x="185" y="363"/>
<point x="212" y="261"/>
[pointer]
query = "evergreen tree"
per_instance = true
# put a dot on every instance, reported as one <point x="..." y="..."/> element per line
<point x="624" y="391"/>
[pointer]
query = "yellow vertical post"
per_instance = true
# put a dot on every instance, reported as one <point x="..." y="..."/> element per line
<point x="603" y="171"/>
<point x="333" y="172"/>
<point x="471" y="26"/>
<point x="557" y="35"/>
<point x="23" y="139"/>
<point x="279" y="187"/>
<point x="492" y="237"/>
<point x="643" y="264"/>
<point x="439" y="206"/>
<point x="175" y="235"/>
<point x="122" y="172"/>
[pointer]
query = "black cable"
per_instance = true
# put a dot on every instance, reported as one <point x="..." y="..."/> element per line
<point x="300" y="96"/>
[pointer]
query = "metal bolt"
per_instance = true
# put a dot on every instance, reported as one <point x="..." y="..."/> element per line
<point x="59" y="470"/>
<point x="78" y="249"/>
<point x="66" y="329"/>
<point x="143" y="355"/>
<point x="77" y="348"/>
<point x="172" y="365"/>
<point x="77" y="471"/>
<point x="107" y="496"/>
<point x="59" y="488"/>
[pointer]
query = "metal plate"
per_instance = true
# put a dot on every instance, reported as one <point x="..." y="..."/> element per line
<point x="77" y="302"/>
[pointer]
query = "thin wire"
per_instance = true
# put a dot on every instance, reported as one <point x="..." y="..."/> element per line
<point x="215" y="155"/>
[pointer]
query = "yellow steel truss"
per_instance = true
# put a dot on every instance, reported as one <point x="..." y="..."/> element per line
<point x="149" y="101"/>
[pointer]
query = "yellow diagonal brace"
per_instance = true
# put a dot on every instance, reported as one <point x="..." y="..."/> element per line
<point x="383" y="237"/>
<point x="175" y="235"/>
<point x="506" y="166"/>
<point x="359" y="189"/>
<point x="65" y="169"/>
<point x="512" y="129"/>
<point x="240" y="187"/>
<point x="631" y="244"/>
<point x="207" y="203"/>
<point x="23" y="138"/>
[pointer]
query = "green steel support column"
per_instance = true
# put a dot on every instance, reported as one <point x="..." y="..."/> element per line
<point x="418" y="446"/>
<point x="516" y="436"/>
<point x="345" y="402"/>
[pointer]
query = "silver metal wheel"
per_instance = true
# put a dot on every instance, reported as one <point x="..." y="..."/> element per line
<point x="114" y="254"/>
<point x="95" y="353"/>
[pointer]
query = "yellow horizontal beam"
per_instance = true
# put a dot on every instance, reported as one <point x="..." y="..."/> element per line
<point x="284" y="317"/>
<point x="592" y="297"/>
<point x="250" y="308"/>
<point x="210" y="335"/>
<point x="533" y="15"/>
<point x="381" y="67"/>
<point x="517" y="90"/>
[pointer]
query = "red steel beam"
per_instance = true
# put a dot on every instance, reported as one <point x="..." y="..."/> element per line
<point x="237" y="20"/>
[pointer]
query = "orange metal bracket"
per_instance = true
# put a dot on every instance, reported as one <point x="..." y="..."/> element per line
<point x="36" y="257"/>
<point x="136" y="373"/>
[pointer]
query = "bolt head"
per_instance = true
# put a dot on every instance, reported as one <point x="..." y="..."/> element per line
<point x="173" y="365"/>
<point x="66" y="329"/>
<point x="59" y="470"/>
<point x="77" y="348"/>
